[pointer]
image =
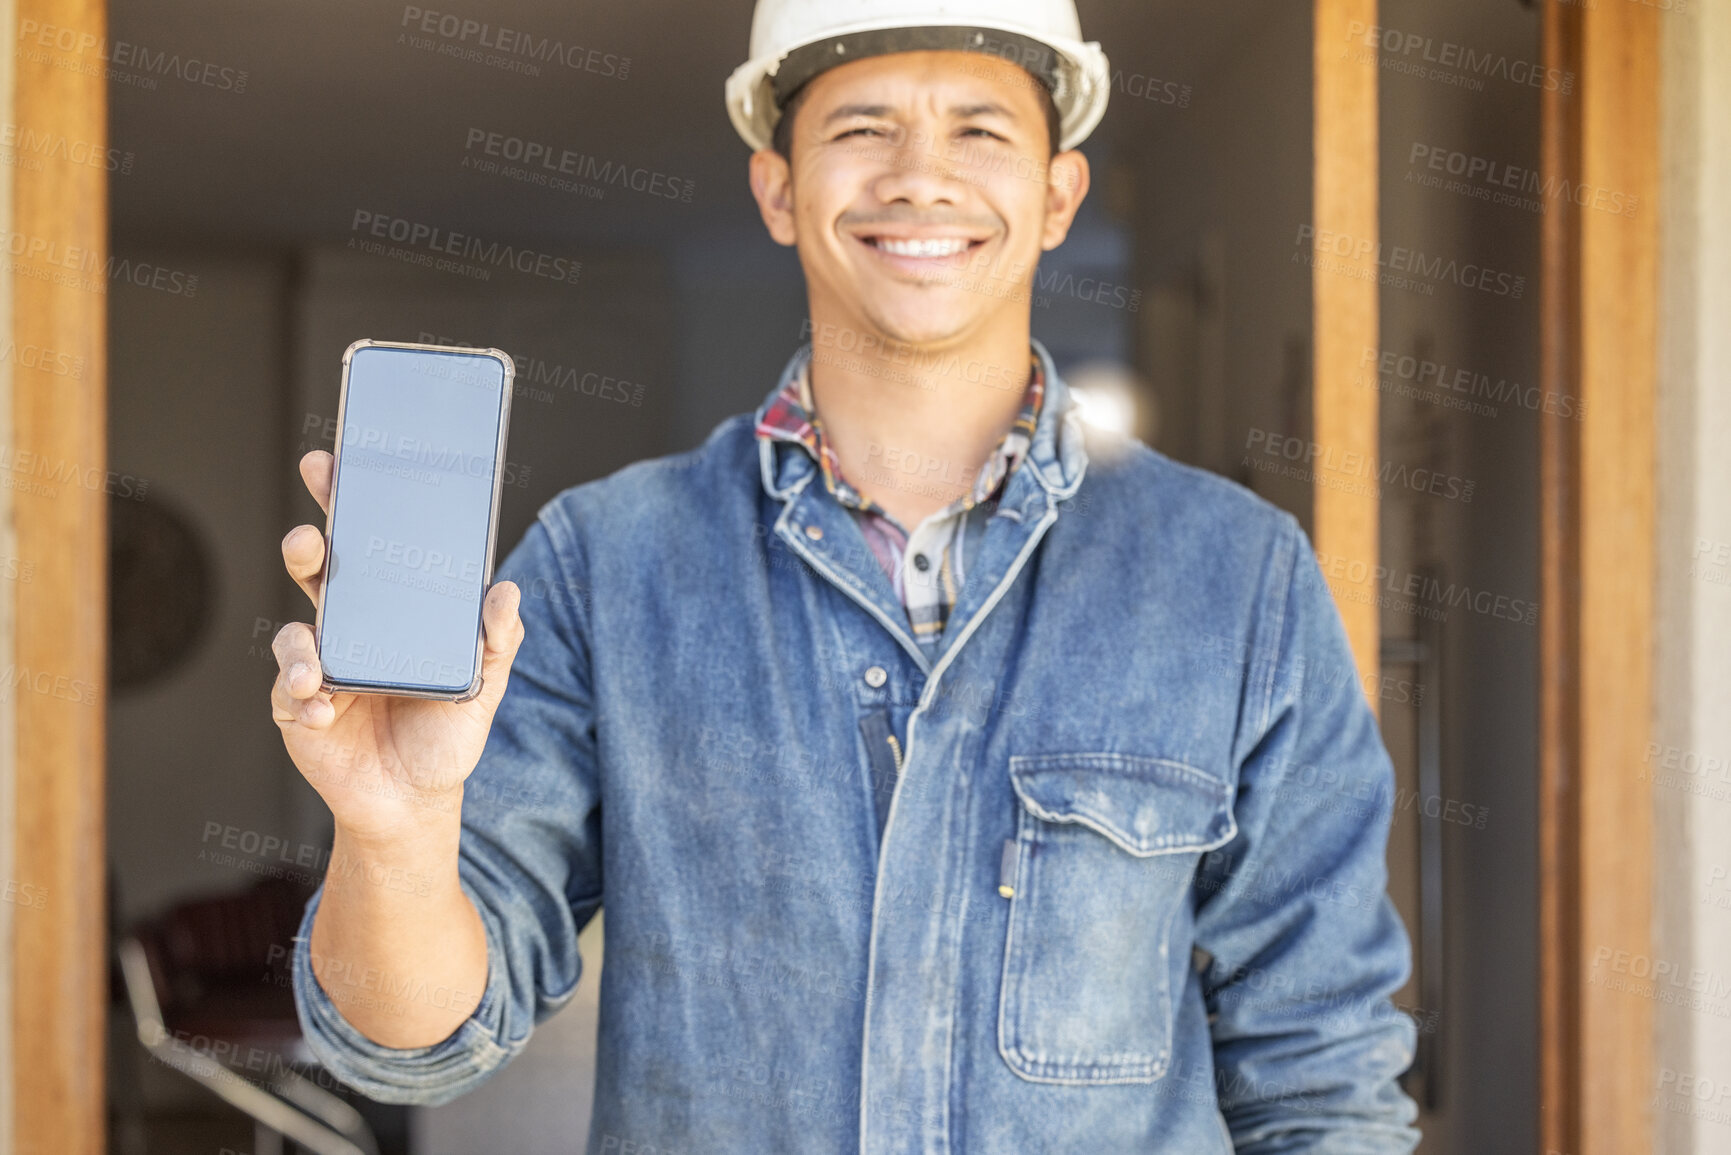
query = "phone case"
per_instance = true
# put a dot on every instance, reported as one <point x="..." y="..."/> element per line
<point x="410" y="691"/>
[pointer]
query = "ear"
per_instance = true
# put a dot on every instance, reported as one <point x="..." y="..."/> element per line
<point x="1066" y="185"/>
<point x="772" y="185"/>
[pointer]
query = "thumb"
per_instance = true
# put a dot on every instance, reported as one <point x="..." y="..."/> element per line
<point x="503" y="630"/>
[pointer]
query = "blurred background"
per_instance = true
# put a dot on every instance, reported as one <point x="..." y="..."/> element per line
<point x="254" y="191"/>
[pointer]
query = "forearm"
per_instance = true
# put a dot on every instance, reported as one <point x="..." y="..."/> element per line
<point x="396" y="944"/>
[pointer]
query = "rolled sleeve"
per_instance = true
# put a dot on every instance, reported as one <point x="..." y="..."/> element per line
<point x="529" y="853"/>
<point x="424" y="1075"/>
<point x="1306" y="947"/>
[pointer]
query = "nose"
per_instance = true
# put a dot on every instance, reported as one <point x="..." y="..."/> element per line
<point x="917" y="172"/>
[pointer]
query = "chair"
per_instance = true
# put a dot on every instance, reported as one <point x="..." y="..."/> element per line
<point x="209" y="987"/>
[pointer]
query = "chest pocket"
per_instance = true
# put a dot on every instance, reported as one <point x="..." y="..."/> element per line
<point x="1106" y="846"/>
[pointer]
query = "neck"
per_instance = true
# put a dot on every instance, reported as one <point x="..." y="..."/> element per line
<point x="912" y="424"/>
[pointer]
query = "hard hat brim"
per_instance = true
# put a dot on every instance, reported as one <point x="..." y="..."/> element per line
<point x="1081" y="96"/>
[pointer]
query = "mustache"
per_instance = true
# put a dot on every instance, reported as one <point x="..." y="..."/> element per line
<point x="905" y="214"/>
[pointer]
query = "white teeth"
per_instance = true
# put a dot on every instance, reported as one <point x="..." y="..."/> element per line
<point x="938" y="247"/>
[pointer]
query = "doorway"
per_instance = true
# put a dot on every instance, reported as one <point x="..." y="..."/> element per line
<point x="252" y="188"/>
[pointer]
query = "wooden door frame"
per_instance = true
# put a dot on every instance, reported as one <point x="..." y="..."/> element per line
<point x="57" y="494"/>
<point x="1599" y="309"/>
<point x="1345" y="316"/>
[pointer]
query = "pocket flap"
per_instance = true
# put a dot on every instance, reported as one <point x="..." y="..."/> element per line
<point x="1144" y="805"/>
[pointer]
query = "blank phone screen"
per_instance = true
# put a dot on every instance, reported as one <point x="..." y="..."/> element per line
<point x="410" y="519"/>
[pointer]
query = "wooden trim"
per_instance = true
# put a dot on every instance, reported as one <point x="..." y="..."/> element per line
<point x="60" y="987"/>
<point x="9" y="1049"/>
<point x="1344" y="311"/>
<point x="1599" y="309"/>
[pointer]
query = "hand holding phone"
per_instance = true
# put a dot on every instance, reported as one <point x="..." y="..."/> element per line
<point x="388" y="742"/>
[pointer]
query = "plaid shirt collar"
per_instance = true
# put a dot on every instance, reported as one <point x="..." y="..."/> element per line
<point x="790" y="416"/>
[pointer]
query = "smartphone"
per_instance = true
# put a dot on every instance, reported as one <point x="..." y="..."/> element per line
<point x="414" y="518"/>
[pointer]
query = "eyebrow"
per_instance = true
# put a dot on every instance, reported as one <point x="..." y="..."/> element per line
<point x="960" y="111"/>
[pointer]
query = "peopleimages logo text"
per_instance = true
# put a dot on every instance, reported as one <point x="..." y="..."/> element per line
<point x="566" y="162"/>
<point x="1317" y="462"/>
<point x="1392" y="366"/>
<point x="513" y="42"/>
<point x="55" y="146"/>
<point x="35" y="38"/>
<point x="1401" y="259"/>
<point x="465" y="246"/>
<point x="1446" y="56"/>
<point x="1488" y="178"/>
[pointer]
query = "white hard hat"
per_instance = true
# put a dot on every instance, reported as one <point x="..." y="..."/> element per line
<point x="794" y="40"/>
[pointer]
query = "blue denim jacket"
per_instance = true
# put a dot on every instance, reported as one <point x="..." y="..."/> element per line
<point x="1117" y="886"/>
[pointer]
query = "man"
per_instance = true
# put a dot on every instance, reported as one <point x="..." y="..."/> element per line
<point x="1024" y="803"/>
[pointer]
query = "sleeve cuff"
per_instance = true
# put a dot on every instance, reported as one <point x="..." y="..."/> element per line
<point x="426" y="1076"/>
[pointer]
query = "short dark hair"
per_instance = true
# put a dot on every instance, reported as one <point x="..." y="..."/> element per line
<point x="782" y="138"/>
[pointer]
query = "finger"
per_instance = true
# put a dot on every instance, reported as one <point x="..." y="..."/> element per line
<point x="295" y="695"/>
<point x="316" y="469"/>
<point x="303" y="555"/>
<point x="503" y="628"/>
<point x="314" y="712"/>
<point x="294" y="643"/>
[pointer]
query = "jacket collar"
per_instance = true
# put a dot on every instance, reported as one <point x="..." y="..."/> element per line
<point x="1056" y="457"/>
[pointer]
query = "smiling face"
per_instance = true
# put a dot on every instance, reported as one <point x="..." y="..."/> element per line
<point x="920" y="194"/>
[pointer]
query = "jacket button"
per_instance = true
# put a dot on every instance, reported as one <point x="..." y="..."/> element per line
<point x="814" y="532"/>
<point x="922" y="563"/>
<point x="876" y="677"/>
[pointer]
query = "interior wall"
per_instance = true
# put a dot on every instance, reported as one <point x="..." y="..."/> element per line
<point x="1477" y="540"/>
<point x="1222" y="186"/>
<point x="1689" y="760"/>
<point x="741" y="301"/>
<point x="194" y="408"/>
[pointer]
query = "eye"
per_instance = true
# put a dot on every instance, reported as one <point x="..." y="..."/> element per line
<point x="983" y="132"/>
<point x="852" y="131"/>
